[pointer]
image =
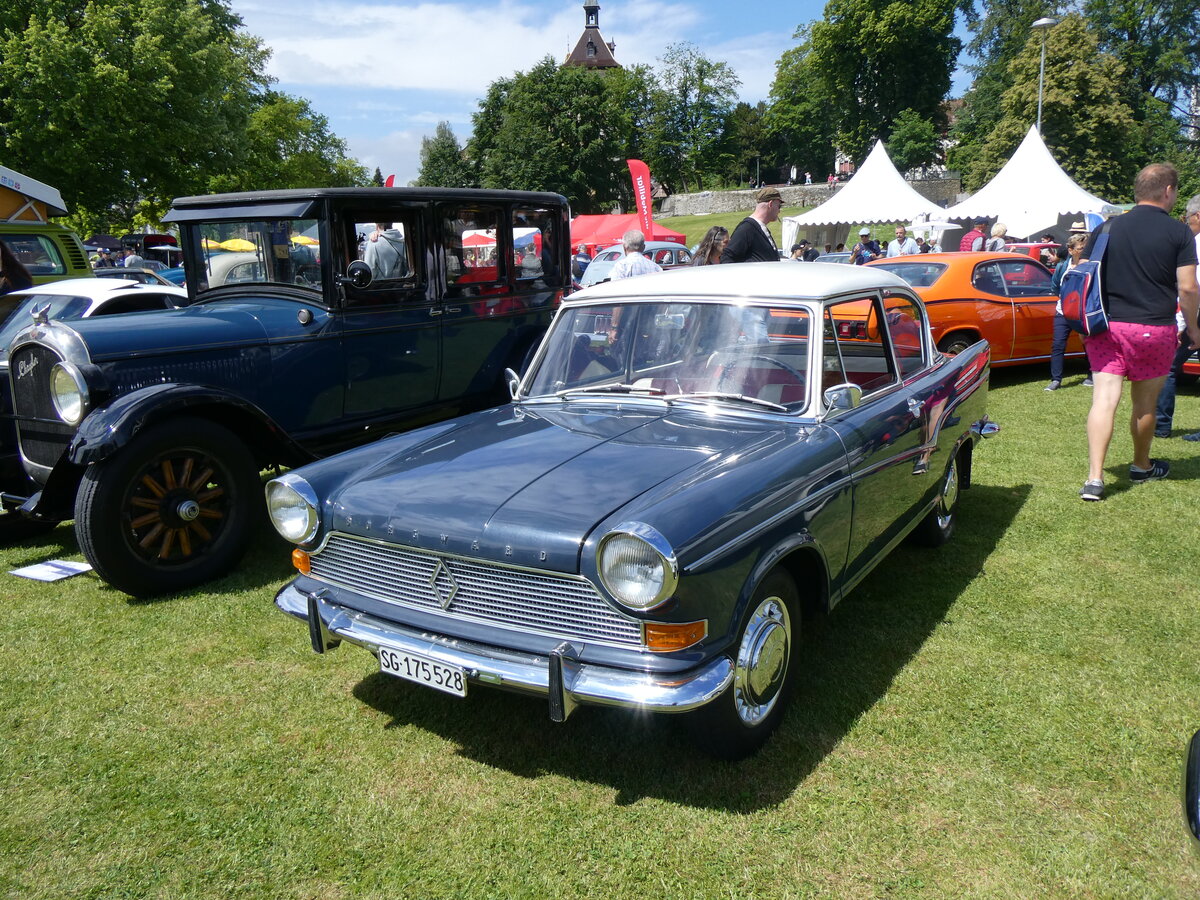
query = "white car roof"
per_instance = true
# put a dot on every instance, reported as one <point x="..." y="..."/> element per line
<point x="784" y="279"/>
<point x="98" y="288"/>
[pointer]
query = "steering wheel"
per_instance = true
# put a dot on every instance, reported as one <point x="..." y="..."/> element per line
<point x="787" y="367"/>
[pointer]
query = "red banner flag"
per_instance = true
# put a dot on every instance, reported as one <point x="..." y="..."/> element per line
<point x="640" y="174"/>
<point x="390" y="182"/>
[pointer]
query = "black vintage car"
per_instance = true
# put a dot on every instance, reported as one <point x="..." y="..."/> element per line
<point x="349" y="313"/>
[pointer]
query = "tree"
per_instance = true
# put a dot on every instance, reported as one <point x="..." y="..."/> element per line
<point x="442" y="161"/>
<point x="800" y="116"/>
<point x="377" y="178"/>
<point x="880" y="57"/>
<point x="551" y="129"/>
<point x="72" y="77"/>
<point x="690" y="107"/>
<point x="1087" y="125"/>
<point x="288" y="145"/>
<point x="914" y="141"/>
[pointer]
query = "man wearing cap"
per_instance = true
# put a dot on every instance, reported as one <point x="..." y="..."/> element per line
<point x="866" y="249"/>
<point x="973" y="239"/>
<point x="751" y="241"/>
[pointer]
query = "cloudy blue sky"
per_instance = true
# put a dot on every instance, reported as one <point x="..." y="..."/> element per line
<point x="386" y="73"/>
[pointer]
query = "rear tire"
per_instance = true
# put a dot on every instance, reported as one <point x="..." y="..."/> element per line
<point x="740" y="721"/>
<point x="938" y="526"/>
<point x="171" y="510"/>
<point x="955" y="343"/>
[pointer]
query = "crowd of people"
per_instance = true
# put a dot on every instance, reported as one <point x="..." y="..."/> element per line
<point x="1150" y="291"/>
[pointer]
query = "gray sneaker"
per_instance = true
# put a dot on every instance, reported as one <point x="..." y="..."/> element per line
<point x="1092" y="490"/>
<point x="1053" y="386"/>
<point x="1158" y="469"/>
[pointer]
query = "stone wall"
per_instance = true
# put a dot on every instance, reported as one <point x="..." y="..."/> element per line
<point x="942" y="191"/>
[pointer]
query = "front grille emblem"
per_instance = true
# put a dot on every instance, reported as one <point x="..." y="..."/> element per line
<point x="443" y="585"/>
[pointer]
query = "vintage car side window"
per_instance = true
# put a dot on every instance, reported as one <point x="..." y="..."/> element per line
<point x="856" y="348"/>
<point x="472" y="253"/>
<point x="139" y="302"/>
<point x="535" y="242"/>
<point x="905" y="326"/>
<point x="1025" y="278"/>
<point x="275" y="251"/>
<point x="385" y="244"/>
<point x="987" y="278"/>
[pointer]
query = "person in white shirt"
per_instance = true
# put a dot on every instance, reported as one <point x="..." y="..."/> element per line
<point x="633" y="263"/>
<point x="903" y="245"/>
<point x="132" y="260"/>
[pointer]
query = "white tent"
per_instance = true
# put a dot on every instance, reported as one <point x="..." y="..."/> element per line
<point x="1030" y="193"/>
<point x="875" y="195"/>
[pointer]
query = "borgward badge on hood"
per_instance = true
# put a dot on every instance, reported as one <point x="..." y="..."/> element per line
<point x="442" y="582"/>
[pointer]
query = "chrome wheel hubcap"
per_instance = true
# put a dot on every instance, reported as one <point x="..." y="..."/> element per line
<point x="949" y="496"/>
<point x="762" y="661"/>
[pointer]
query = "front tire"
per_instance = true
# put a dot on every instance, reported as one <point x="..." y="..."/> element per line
<point x="740" y="721"/>
<point x="171" y="510"/>
<point x="956" y="343"/>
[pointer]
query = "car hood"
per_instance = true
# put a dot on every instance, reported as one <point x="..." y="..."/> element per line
<point x="519" y="485"/>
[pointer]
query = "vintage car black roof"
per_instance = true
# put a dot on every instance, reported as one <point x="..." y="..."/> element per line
<point x="300" y="202"/>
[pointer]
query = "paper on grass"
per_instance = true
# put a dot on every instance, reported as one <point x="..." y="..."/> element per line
<point x="52" y="570"/>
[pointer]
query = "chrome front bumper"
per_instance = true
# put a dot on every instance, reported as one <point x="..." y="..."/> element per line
<point x="558" y="676"/>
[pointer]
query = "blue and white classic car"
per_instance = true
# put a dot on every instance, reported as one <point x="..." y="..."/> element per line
<point x="694" y="463"/>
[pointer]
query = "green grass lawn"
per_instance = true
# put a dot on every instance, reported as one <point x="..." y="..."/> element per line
<point x="1003" y="717"/>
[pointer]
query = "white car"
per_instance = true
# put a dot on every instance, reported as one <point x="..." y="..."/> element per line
<point x="80" y="298"/>
<point x="666" y="253"/>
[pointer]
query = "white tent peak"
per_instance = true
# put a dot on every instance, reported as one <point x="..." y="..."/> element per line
<point x="876" y="194"/>
<point x="1030" y="192"/>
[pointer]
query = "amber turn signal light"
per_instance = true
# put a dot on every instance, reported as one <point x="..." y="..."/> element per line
<point x="302" y="561"/>
<point x="663" y="637"/>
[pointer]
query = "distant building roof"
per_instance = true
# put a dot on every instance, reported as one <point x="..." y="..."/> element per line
<point x="592" y="51"/>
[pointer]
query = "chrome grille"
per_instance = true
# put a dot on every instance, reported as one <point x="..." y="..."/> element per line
<point x="43" y="436"/>
<point x="540" y="602"/>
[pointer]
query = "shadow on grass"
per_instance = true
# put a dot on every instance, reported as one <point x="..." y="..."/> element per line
<point x="849" y="660"/>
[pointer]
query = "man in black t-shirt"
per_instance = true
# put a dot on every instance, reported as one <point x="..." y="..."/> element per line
<point x="751" y="240"/>
<point x="1150" y="261"/>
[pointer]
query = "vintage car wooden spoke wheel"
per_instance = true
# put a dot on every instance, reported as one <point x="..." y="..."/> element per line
<point x="738" y="722"/>
<point x="171" y="510"/>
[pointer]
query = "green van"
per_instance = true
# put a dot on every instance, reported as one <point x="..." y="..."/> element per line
<point x="50" y="252"/>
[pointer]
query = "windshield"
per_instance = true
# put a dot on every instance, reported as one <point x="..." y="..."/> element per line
<point x="917" y="274"/>
<point x="738" y="354"/>
<point x="16" y="313"/>
<point x="273" y="251"/>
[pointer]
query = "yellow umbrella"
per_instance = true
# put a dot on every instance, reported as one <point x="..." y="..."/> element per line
<point x="236" y="244"/>
<point x="210" y="244"/>
<point x="302" y="239"/>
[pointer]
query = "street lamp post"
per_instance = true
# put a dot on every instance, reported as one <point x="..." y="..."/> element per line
<point x="1042" y="25"/>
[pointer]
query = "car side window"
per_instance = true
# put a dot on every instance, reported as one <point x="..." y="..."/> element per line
<point x="537" y="241"/>
<point x="1025" y="278"/>
<point x="139" y="302"/>
<point x="385" y="244"/>
<point x="905" y="329"/>
<point x="472" y="249"/>
<point x="856" y="348"/>
<point x="987" y="278"/>
<point x="36" y="253"/>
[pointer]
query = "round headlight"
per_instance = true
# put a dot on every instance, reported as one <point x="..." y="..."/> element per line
<point x="292" y="506"/>
<point x="637" y="574"/>
<point x="68" y="390"/>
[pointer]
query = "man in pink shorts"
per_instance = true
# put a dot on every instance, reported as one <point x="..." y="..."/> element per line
<point x="1149" y="263"/>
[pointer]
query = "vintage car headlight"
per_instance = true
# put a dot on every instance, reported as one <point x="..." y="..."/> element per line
<point x="292" y="505"/>
<point x="69" y="391"/>
<point x="637" y="567"/>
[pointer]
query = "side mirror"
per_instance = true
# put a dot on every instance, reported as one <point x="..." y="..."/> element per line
<point x="1191" y="786"/>
<point x="358" y="274"/>
<point x="842" y="396"/>
<point x="513" y="380"/>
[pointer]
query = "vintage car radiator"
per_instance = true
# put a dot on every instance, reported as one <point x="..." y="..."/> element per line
<point x="43" y="435"/>
<point x="544" y="602"/>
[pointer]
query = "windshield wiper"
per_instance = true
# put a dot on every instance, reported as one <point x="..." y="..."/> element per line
<point x="739" y="398"/>
<point x="611" y="389"/>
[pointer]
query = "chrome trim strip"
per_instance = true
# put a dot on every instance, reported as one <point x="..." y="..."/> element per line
<point x="526" y="672"/>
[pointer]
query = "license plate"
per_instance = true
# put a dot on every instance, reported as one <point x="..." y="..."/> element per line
<point x="422" y="670"/>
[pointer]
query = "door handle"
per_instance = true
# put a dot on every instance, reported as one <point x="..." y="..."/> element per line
<point x="915" y="405"/>
<point x="433" y="311"/>
<point x="453" y="309"/>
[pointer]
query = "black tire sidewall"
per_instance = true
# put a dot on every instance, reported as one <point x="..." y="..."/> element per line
<point x="716" y="727"/>
<point x="104" y="492"/>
